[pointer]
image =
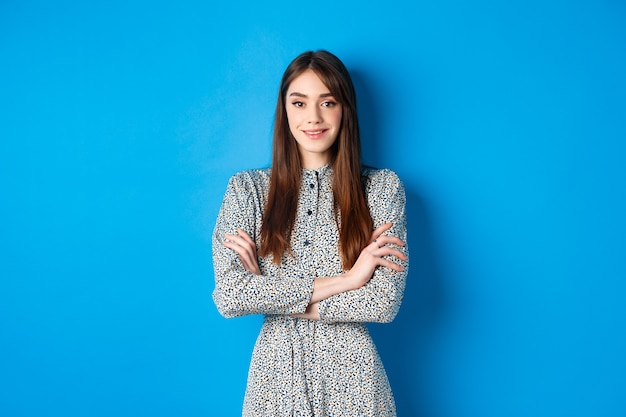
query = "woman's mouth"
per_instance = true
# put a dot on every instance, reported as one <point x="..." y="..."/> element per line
<point x="314" y="134"/>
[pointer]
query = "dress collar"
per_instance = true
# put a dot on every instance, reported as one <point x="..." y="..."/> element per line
<point x="321" y="171"/>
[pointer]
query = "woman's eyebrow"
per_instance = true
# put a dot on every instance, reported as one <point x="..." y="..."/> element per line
<point x="296" y="94"/>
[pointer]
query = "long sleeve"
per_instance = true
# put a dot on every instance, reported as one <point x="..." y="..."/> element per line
<point x="237" y="291"/>
<point x="379" y="300"/>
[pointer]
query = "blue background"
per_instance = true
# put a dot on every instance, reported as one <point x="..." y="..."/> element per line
<point x="121" y="122"/>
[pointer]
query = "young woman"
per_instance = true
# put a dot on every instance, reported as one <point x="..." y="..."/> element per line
<point x="317" y="245"/>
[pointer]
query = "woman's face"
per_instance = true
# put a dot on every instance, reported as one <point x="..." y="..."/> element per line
<point x="314" y="118"/>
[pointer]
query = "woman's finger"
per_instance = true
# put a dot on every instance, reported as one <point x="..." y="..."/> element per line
<point x="380" y="230"/>
<point x="245" y="237"/>
<point x="391" y="265"/>
<point x="397" y="254"/>
<point x="240" y="246"/>
<point x="248" y="262"/>
<point x="240" y="239"/>
<point x="389" y="251"/>
<point x="245" y="248"/>
<point x="390" y="240"/>
<point x="238" y="249"/>
<point x="248" y="245"/>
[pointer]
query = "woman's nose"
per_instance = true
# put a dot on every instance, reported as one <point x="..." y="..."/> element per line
<point x="314" y="115"/>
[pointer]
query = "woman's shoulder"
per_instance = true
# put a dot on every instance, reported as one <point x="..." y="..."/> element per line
<point x="380" y="177"/>
<point x="384" y="190"/>
<point x="250" y="183"/>
<point x="255" y="177"/>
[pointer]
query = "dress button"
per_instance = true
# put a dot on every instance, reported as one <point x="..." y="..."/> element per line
<point x="309" y="212"/>
<point x="312" y="185"/>
<point x="306" y="243"/>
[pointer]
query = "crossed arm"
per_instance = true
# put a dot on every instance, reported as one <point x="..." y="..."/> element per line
<point x="371" y="291"/>
<point x="382" y="251"/>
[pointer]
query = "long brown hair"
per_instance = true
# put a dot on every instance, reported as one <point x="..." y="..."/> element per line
<point x="349" y="197"/>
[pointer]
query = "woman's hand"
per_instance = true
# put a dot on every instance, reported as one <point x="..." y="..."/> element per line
<point x="245" y="248"/>
<point x="372" y="256"/>
<point x="312" y="312"/>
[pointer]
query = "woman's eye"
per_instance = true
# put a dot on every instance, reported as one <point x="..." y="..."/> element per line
<point x="298" y="103"/>
<point x="329" y="104"/>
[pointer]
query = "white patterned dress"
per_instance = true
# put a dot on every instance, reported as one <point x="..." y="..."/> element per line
<point x="302" y="367"/>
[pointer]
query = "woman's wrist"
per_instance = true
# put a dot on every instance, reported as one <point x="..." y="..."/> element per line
<point x="350" y="281"/>
<point x="326" y="287"/>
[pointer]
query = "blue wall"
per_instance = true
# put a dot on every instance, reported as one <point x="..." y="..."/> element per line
<point x="120" y="125"/>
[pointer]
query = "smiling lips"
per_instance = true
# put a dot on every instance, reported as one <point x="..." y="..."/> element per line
<point x="314" y="134"/>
